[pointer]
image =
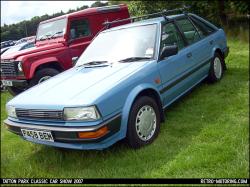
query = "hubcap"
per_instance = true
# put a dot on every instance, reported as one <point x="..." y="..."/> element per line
<point x="217" y="68"/>
<point x="145" y="123"/>
<point x="44" y="79"/>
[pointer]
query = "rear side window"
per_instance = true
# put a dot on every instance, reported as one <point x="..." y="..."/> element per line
<point x="188" y="30"/>
<point x="204" y="28"/>
<point x="170" y="36"/>
<point x="79" y="28"/>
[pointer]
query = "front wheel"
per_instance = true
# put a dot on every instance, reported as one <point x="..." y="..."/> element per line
<point x="143" y="123"/>
<point x="43" y="75"/>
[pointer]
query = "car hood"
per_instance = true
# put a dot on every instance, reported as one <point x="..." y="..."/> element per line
<point x="34" y="49"/>
<point x="78" y="86"/>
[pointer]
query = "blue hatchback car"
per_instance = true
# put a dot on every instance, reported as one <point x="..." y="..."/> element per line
<point x="121" y="84"/>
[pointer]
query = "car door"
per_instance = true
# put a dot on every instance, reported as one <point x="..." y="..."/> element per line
<point x="205" y="32"/>
<point x="80" y="36"/>
<point x="172" y="68"/>
<point x="199" y="49"/>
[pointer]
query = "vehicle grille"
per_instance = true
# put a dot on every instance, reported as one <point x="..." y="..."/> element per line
<point x="8" y="69"/>
<point x="39" y="114"/>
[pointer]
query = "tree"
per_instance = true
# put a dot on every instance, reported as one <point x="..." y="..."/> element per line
<point x="99" y="4"/>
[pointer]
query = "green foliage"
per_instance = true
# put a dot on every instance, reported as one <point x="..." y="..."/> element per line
<point x="99" y="4"/>
<point x="216" y="11"/>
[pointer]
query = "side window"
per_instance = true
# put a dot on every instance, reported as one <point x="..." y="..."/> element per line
<point x="188" y="30"/>
<point x="170" y="36"/>
<point x="79" y="28"/>
<point x="202" y="27"/>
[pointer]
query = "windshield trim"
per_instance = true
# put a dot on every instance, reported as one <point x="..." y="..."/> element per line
<point x="154" y="57"/>
<point x="127" y="27"/>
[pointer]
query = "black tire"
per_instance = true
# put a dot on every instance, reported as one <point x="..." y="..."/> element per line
<point x="40" y="74"/>
<point x="212" y="76"/>
<point x="133" y="138"/>
<point x="14" y="90"/>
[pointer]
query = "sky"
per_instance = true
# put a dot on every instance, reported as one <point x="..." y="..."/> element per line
<point x="16" y="11"/>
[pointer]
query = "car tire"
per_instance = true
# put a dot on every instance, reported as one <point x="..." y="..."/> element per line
<point x="42" y="75"/>
<point x="140" y="130"/>
<point x="14" y="90"/>
<point x="217" y="68"/>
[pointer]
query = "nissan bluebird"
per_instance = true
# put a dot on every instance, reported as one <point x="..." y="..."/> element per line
<point x="121" y="84"/>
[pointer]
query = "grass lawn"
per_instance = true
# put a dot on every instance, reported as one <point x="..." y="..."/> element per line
<point x="206" y="135"/>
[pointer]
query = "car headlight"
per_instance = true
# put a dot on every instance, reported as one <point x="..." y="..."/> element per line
<point x="11" y="111"/>
<point x="19" y="66"/>
<point x="81" y="113"/>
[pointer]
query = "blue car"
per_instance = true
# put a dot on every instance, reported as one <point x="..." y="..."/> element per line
<point x="121" y="84"/>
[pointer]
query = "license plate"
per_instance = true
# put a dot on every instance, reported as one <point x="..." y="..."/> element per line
<point x="37" y="135"/>
<point x="6" y="83"/>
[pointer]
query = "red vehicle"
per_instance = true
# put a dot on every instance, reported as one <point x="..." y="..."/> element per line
<point x="59" y="42"/>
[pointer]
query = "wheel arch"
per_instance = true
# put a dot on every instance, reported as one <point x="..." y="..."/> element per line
<point x="219" y="51"/>
<point x="53" y="63"/>
<point x="140" y="90"/>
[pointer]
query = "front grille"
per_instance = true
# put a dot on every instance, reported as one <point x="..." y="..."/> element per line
<point x="39" y="114"/>
<point x="8" y="69"/>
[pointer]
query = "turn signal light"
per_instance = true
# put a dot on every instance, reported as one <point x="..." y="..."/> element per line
<point x="94" y="134"/>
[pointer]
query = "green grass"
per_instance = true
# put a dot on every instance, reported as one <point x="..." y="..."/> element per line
<point x="205" y="135"/>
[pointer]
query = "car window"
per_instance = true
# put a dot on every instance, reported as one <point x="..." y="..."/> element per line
<point x="79" y="28"/>
<point x="203" y="28"/>
<point x="188" y="30"/>
<point x="170" y="36"/>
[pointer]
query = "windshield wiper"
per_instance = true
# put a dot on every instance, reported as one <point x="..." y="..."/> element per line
<point x="94" y="63"/>
<point x="44" y="37"/>
<point x="133" y="59"/>
<point x="56" y="33"/>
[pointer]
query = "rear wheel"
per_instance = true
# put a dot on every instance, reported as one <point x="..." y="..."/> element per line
<point x="143" y="123"/>
<point x="216" y="69"/>
<point x="43" y="75"/>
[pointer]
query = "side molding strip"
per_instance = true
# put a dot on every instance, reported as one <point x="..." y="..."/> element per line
<point x="184" y="76"/>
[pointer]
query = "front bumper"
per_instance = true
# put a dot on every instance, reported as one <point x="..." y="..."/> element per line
<point x="67" y="137"/>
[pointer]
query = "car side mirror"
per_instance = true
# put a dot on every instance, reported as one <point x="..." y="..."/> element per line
<point x="168" y="51"/>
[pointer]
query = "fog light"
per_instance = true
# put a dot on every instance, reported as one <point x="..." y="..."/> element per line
<point x="94" y="134"/>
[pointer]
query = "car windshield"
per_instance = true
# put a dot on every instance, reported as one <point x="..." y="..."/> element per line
<point x="46" y="30"/>
<point x="123" y="45"/>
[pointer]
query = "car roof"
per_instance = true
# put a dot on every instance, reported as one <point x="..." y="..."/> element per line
<point x="90" y="11"/>
<point x="144" y="22"/>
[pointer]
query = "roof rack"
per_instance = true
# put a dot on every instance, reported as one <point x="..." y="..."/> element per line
<point x="163" y="13"/>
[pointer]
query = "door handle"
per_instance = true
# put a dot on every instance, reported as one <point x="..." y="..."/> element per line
<point x="211" y="42"/>
<point x="189" y="55"/>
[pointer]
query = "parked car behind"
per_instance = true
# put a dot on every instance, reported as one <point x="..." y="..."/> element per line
<point x="4" y="49"/>
<point x="121" y="84"/>
<point x="7" y="43"/>
<point x="59" y="42"/>
<point x="19" y="47"/>
<point x="26" y="39"/>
